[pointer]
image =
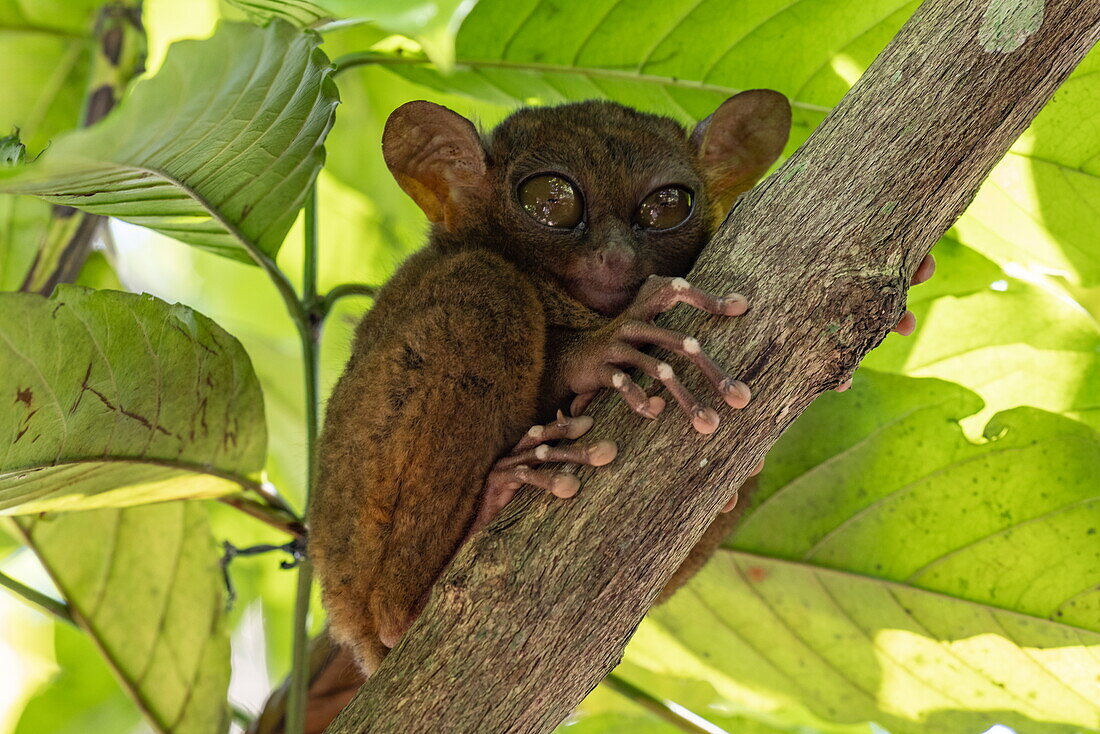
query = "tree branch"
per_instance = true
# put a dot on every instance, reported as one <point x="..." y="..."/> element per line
<point x="537" y="609"/>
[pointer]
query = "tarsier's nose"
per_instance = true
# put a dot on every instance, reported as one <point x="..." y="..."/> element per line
<point x="616" y="257"/>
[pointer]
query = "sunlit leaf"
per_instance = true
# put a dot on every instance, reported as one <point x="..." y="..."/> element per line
<point x="1039" y="206"/>
<point x="119" y="399"/>
<point x="144" y="582"/>
<point x="889" y="570"/>
<point x="684" y="59"/>
<point x="1012" y="342"/>
<point x="432" y="23"/>
<point x="217" y="150"/>
<point x="82" y="696"/>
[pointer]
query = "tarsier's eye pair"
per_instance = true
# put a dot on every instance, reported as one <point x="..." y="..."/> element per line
<point x="554" y="201"/>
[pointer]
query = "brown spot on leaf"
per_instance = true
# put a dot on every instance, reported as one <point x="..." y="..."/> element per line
<point x="25" y="396"/>
<point x="112" y="44"/>
<point x="756" y="573"/>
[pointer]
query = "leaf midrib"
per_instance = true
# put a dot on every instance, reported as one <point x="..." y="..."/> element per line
<point x="186" y="466"/>
<point x="472" y="64"/>
<point x="894" y="584"/>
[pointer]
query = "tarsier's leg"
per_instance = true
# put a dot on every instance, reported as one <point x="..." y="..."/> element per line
<point x="515" y="469"/>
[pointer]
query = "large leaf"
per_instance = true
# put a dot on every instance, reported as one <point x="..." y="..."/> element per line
<point x="217" y="150"/>
<point x="1011" y="341"/>
<point x="82" y="696"/>
<point x="119" y="399"/>
<point x="144" y="582"/>
<point x="1039" y="206"/>
<point x="433" y="23"/>
<point x="889" y="570"/>
<point x="685" y="56"/>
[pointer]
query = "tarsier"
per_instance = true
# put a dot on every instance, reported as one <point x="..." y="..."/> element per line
<point x="555" y="242"/>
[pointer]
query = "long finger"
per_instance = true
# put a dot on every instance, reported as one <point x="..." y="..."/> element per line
<point x="564" y="427"/>
<point x="593" y="454"/>
<point x="615" y="379"/>
<point x="659" y="293"/>
<point x="734" y="392"/>
<point x="705" y="420"/>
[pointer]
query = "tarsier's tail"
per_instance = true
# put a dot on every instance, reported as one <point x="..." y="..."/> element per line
<point x="334" y="679"/>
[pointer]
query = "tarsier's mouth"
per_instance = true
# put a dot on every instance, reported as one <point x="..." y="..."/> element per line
<point x="605" y="298"/>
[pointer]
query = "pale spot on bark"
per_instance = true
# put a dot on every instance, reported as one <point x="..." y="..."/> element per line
<point x="1007" y="24"/>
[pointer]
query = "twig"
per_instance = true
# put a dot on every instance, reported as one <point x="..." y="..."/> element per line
<point x="277" y="518"/>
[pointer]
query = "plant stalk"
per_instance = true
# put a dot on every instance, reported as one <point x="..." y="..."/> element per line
<point x="309" y="324"/>
<point x="686" y="721"/>
<point x="48" y="604"/>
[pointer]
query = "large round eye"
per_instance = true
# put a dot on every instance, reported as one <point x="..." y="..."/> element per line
<point x="552" y="200"/>
<point x="665" y="208"/>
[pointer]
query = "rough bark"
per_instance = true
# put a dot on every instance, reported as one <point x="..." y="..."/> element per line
<point x="537" y="609"/>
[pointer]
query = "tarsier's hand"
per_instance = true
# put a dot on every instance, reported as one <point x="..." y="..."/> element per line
<point x="597" y="360"/>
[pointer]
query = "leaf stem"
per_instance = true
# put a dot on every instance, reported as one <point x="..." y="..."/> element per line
<point x="344" y="290"/>
<point x="46" y="603"/>
<point x="679" y="717"/>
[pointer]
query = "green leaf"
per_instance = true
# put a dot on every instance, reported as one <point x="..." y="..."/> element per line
<point x="82" y="696"/>
<point x="217" y="150"/>
<point x="432" y="23"/>
<point x="41" y="95"/>
<point x="144" y="583"/>
<point x="1038" y="207"/>
<point x="615" y="707"/>
<point x="1012" y="342"/>
<point x="12" y="151"/>
<point x="118" y="399"/>
<point x="301" y="13"/>
<point x="889" y="570"/>
<point x="684" y="59"/>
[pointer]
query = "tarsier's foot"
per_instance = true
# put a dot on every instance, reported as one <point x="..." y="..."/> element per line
<point x="598" y="363"/>
<point x="514" y="470"/>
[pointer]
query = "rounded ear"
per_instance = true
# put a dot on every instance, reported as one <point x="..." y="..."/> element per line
<point x="436" y="156"/>
<point x="739" y="141"/>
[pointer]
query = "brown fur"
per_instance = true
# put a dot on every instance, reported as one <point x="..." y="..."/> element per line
<point x="463" y="349"/>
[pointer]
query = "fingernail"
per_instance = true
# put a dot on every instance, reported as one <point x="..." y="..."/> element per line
<point x="602" y="452"/>
<point x="736" y="393"/>
<point x="564" y="485"/>
<point x="735" y="304"/>
<point x="705" y="420"/>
